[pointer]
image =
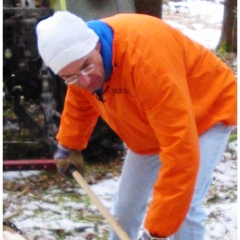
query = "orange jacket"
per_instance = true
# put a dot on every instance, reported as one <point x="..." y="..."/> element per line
<point x="164" y="91"/>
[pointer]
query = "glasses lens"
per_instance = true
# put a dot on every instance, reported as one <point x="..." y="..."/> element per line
<point x="87" y="70"/>
<point x="71" y="80"/>
<point x="84" y="72"/>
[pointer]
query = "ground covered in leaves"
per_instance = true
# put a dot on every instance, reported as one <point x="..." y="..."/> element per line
<point x="45" y="206"/>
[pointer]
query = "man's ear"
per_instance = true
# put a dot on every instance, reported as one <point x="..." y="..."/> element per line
<point x="99" y="46"/>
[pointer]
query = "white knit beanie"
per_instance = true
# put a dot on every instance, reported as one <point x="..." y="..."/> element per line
<point x="64" y="38"/>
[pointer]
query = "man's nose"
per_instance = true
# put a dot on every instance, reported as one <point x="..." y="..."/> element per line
<point x="85" y="80"/>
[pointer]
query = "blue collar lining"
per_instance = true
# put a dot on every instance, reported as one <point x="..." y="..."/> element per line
<point x="105" y="34"/>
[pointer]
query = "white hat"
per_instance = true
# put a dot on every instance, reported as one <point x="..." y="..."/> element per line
<point x="64" y="38"/>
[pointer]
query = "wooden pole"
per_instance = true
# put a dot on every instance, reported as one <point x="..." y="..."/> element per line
<point x="102" y="209"/>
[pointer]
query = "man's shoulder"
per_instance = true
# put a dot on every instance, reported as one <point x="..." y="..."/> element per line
<point x="131" y="19"/>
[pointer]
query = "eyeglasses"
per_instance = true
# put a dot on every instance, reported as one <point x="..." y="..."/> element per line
<point x="83" y="72"/>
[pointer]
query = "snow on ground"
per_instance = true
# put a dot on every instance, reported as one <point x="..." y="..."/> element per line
<point x="222" y="211"/>
<point x="41" y="218"/>
<point x="200" y="20"/>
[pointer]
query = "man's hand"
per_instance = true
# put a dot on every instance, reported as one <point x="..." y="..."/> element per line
<point x="64" y="158"/>
<point x="147" y="236"/>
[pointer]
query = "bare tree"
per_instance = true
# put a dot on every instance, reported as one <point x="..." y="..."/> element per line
<point x="228" y="40"/>
<point x="150" y="7"/>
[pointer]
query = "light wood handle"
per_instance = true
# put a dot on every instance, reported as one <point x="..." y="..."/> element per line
<point x="102" y="209"/>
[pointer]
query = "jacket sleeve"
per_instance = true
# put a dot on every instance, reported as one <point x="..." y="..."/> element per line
<point x="170" y="114"/>
<point x="77" y="121"/>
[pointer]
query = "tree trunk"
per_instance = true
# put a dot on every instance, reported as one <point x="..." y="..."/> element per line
<point x="149" y="7"/>
<point x="228" y="40"/>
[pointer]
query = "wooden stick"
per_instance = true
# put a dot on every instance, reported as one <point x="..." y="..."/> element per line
<point x="11" y="215"/>
<point x="102" y="209"/>
<point x="25" y="190"/>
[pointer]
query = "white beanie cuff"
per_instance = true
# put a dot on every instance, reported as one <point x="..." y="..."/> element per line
<point x="73" y="53"/>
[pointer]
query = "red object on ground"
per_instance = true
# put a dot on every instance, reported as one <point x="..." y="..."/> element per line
<point x="31" y="164"/>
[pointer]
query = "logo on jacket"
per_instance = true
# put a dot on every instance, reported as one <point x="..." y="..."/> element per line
<point x="120" y="91"/>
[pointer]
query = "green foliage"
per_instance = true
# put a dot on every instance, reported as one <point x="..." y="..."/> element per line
<point x="223" y="49"/>
<point x="232" y="137"/>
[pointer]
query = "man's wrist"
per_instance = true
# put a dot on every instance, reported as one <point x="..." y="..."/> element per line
<point x="61" y="153"/>
<point x="63" y="148"/>
<point x="146" y="235"/>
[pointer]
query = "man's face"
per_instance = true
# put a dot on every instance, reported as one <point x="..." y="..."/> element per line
<point x="87" y="72"/>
